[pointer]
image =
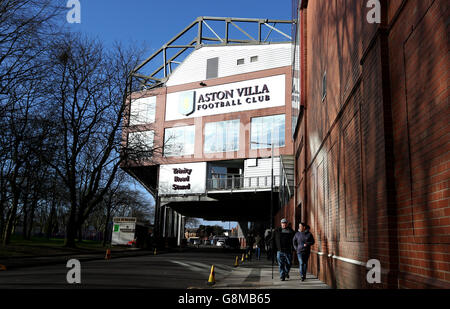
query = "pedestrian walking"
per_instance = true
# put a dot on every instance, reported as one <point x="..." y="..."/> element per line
<point x="302" y="242"/>
<point x="282" y="243"/>
<point x="268" y="244"/>
<point x="250" y="242"/>
<point x="258" y="246"/>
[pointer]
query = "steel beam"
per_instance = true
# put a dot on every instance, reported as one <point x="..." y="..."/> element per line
<point x="199" y="40"/>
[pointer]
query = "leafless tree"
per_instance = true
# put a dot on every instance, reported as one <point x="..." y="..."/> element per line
<point x="62" y="103"/>
<point x="88" y="88"/>
<point x="25" y="28"/>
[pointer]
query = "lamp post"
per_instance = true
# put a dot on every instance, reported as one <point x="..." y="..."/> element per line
<point x="271" y="193"/>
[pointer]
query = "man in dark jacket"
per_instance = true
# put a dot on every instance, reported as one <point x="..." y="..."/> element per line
<point x="302" y="242"/>
<point x="282" y="243"/>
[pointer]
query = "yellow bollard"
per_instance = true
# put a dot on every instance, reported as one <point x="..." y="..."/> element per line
<point x="212" y="279"/>
<point x="108" y="254"/>
<point x="154" y="252"/>
<point x="243" y="256"/>
<point x="236" y="263"/>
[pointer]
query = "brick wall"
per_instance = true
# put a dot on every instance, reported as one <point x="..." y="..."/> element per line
<point x="373" y="154"/>
<point x="419" y="64"/>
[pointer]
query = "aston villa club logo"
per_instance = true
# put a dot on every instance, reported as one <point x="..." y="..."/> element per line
<point x="186" y="104"/>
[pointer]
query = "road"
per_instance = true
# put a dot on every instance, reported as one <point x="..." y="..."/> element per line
<point x="180" y="270"/>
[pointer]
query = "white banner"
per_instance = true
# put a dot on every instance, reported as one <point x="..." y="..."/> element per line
<point x="180" y="179"/>
<point x="234" y="97"/>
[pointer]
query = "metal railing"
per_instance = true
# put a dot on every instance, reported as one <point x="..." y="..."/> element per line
<point x="236" y="182"/>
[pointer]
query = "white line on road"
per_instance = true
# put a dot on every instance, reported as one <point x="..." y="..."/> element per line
<point x="193" y="268"/>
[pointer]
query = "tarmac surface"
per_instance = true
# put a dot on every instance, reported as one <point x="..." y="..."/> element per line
<point x="135" y="268"/>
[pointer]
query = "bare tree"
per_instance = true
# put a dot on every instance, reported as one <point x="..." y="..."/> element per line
<point x="21" y="138"/>
<point x="88" y="88"/>
<point x="62" y="102"/>
<point x="25" y="27"/>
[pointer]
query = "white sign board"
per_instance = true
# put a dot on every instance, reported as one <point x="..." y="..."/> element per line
<point x="181" y="179"/>
<point x="123" y="231"/>
<point x="234" y="97"/>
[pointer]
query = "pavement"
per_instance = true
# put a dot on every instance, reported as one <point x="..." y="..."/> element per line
<point x="256" y="274"/>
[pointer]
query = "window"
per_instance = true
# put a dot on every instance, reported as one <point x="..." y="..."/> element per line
<point x="179" y="141"/>
<point x="240" y="61"/>
<point x="254" y="59"/>
<point x="212" y="68"/>
<point x="221" y="136"/>
<point x="267" y="130"/>
<point x="141" y="143"/>
<point x="142" y="111"/>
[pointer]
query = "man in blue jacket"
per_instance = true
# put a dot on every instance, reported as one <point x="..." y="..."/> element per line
<point x="303" y="240"/>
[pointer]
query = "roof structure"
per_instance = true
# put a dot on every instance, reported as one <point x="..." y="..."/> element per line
<point x="154" y="71"/>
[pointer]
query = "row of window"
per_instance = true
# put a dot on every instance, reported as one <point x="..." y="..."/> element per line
<point x="222" y="136"/>
<point x="242" y="60"/>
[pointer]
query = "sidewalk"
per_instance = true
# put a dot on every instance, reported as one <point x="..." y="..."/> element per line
<point x="258" y="275"/>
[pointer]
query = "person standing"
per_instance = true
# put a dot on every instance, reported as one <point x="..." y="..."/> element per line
<point x="302" y="242"/>
<point x="282" y="243"/>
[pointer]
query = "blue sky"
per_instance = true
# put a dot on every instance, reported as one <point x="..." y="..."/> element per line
<point x="151" y="23"/>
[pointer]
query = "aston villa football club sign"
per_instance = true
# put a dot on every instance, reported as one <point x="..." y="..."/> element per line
<point x="234" y="97"/>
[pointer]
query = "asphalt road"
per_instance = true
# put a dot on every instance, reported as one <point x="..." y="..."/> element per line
<point x="181" y="270"/>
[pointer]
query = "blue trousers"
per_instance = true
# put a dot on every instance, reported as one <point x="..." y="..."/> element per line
<point x="284" y="263"/>
<point x="303" y="263"/>
<point x="258" y="253"/>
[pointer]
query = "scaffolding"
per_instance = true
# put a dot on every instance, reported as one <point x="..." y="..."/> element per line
<point x="160" y="69"/>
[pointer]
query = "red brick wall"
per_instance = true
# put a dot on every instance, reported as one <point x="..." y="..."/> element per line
<point x="419" y="64"/>
<point x="287" y="212"/>
<point x="372" y="171"/>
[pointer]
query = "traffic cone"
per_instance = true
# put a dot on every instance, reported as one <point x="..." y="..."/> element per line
<point x="2" y="267"/>
<point x="108" y="254"/>
<point x="212" y="279"/>
<point x="236" y="263"/>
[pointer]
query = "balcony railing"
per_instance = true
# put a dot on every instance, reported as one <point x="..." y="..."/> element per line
<point x="239" y="182"/>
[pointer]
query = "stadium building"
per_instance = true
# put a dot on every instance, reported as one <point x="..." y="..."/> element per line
<point x="214" y="129"/>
